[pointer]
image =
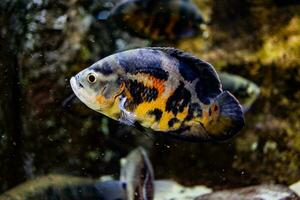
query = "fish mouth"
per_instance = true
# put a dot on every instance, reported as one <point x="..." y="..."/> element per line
<point x="78" y="89"/>
<point x="75" y="86"/>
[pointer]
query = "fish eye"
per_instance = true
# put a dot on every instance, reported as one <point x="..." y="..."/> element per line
<point x="91" y="78"/>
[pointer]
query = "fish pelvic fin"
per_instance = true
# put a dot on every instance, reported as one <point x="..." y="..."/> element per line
<point x="225" y="117"/>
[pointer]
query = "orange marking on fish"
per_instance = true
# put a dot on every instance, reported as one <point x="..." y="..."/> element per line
<point x="150" y="81"/>
<point x="206" y="118"/>
<point x="128" y="95"/>
<point x="158" y="84"/>
<point x="214" y="111"/>
<point x="210" y="114"/>
<point x="100" y="99"/>
<point x="149" y="120"/>
<point x="122" y="89"/>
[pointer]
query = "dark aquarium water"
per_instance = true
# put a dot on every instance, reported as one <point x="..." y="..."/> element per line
<point x="44" y="129"/>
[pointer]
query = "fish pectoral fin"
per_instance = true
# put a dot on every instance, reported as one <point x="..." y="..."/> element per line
<point x="126" y="117"/>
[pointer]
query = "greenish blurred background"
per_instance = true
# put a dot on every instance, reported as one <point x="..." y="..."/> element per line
<point x="44" y="42"/>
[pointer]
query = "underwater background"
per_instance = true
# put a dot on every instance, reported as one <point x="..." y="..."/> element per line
<point x="45" y="42"/>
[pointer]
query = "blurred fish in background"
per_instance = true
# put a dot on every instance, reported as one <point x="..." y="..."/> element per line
<point x="136" y="183"/>
<point x="244" y="90"/>
<point x="52" y="186"/>
<point x="157" y="20"/>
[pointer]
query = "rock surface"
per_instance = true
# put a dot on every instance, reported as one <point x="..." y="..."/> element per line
<point x="296" y="187"/>
<point x="262" y="192"/>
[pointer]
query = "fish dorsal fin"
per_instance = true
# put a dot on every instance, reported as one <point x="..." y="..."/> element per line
<point x="210" y="82"/>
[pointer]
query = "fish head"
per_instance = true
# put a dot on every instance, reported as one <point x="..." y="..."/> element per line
<point x="98" y="86"/>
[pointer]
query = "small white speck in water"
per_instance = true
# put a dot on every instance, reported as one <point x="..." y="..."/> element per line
<point x="50" y="139"/>
<point x="254" y="146"/>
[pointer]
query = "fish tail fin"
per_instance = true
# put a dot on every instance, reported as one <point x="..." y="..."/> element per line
<point x="227" y="117"/>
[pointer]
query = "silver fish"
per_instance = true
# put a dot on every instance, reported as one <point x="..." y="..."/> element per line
<point x="137" y="173"/>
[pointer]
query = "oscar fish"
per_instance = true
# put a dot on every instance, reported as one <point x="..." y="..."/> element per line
<point x="157" y="20"/>
<point x="163" y="89"/>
